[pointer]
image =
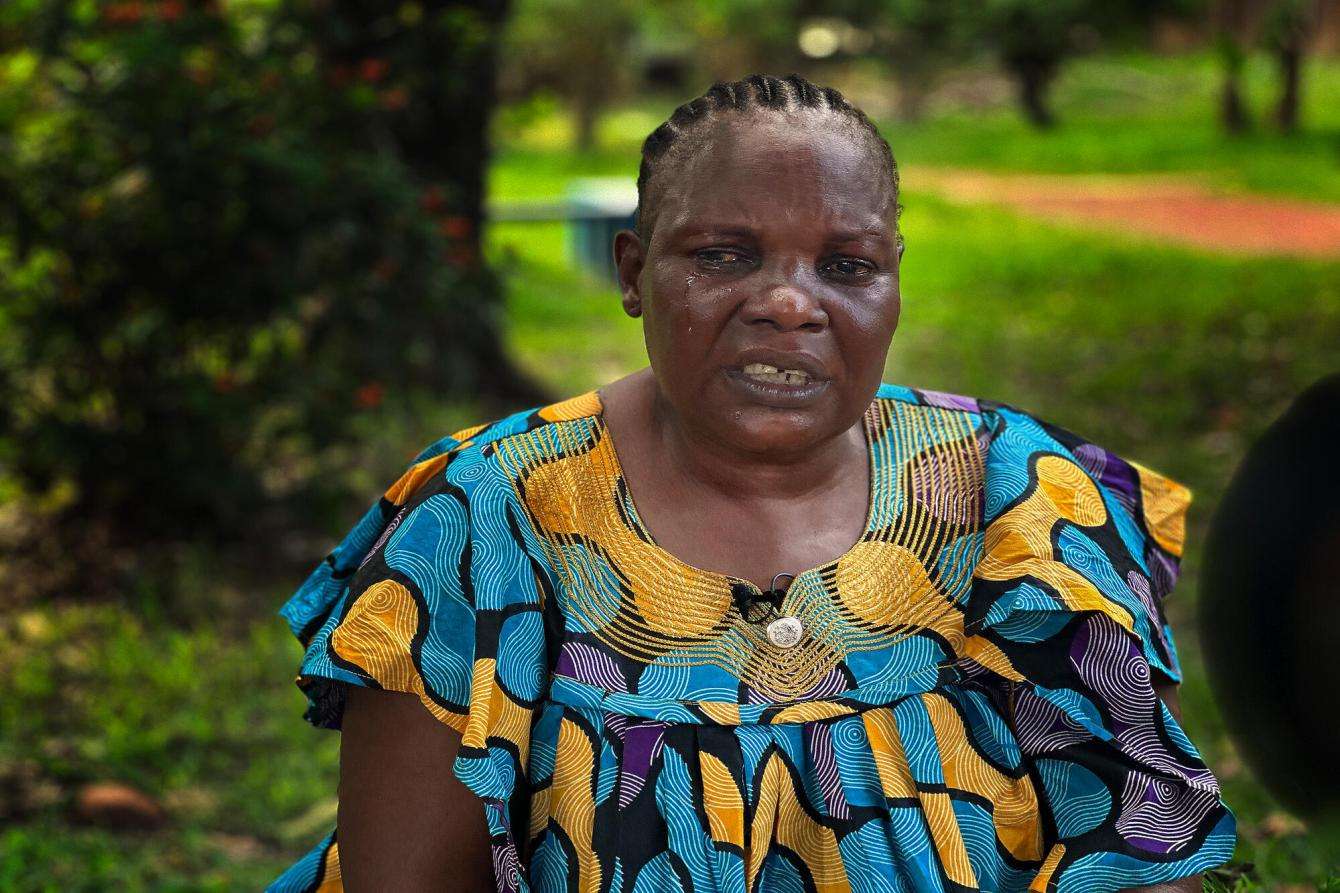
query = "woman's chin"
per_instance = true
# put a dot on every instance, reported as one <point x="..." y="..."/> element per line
<point x="775" y="431"/>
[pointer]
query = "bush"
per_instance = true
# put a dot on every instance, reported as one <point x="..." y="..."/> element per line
<point x="221" y="235"/>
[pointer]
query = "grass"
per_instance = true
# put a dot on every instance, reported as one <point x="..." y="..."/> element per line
<point x="1147" y="114"/>
<point x="200" y="717"/>
<point x="1117" y="114"/>
<point x="1171" y="357"/>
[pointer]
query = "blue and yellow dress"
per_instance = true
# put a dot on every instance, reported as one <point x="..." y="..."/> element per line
<point x="969" y="704"/>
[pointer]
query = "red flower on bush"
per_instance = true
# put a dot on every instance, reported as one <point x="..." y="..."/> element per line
<point x="123" y="13"/>
<point x="373" y="70"/>
<point x="369" y="395"/>
<point x="455" y="227"/>
<point x="262" y="124"/>
<point x="432" y="200"/>
<point x="461" y="256"/>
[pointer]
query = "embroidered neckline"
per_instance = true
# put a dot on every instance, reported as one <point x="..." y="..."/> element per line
<point x="907" y="575"/>
<point x="873" y="496"/>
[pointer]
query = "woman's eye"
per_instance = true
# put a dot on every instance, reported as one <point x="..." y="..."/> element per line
<point x="719" y="257"/>
<point x="849" y="268"/>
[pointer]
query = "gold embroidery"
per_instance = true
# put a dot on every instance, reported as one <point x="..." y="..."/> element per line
<point x="909" y="572"/>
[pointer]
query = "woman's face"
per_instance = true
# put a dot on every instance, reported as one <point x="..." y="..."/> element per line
<point x="769" y="290"/>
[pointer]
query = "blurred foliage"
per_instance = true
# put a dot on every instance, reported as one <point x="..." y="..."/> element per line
<point x="204" y="213"/>
<point x="922" y="39"/>
<point x="195" y="717"/>
<point x="590" y="55"/>
<point x="1283" y="28"/>
<point x="574" y="50"/>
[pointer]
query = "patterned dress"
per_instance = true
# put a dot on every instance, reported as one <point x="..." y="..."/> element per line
<point x="969" y="704"/>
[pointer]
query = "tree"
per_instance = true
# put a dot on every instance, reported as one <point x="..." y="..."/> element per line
<point x="1232" y="27"/>
<point x="1288" y="26"/>
<point x="920" y="40"/>
<point x="581" y="51"/>
<point x="1283" y="28"/>
<point x="224" y="237"/>
<point x="1034" y="38"/>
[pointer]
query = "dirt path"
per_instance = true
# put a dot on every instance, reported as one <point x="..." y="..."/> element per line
<point x="1176" y="209"/>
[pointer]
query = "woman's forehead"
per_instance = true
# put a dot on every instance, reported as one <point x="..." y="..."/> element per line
<point x="800" y="142"/>
<point x="778" y="165"/>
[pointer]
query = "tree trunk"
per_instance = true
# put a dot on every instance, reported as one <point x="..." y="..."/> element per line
<point x="913" y="92"/>
<point x="1033" y="76"/>
<point x="1232" y="110"/>
<point x="441" y="132"/>
<point x="1290" y="60"/>
<point x="587" y="113"/>
<point x="1234" y="27"/>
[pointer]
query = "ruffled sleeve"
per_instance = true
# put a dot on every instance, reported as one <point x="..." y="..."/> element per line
<point x="1081" y="547"/>
<point x="434" y="593"/>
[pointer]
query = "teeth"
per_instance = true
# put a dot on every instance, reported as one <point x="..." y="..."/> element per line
<point x="773" y="375"/>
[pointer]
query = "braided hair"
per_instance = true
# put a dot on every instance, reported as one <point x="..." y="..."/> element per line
<point x="685" y="132"/>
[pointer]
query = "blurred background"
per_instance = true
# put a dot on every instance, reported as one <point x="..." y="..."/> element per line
<point x="255" y="254"/>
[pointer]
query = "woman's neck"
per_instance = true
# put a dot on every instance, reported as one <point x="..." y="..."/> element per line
<point x="706" y="462"/>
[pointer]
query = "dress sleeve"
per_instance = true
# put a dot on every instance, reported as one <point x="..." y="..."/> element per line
<point x="358" y="621"/>
<point x="1080" y="549"/>
<point x="434" y="593"/>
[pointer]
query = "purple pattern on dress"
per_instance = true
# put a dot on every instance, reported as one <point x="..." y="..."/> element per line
<point x="946" y="400"/>
<point x="506" y="868"/>
<point x="641" y="747"/>
<point x="1155" y="815"/>
<point x="1140" y="586"/>
<point x="587" y="664"/>
<point x="1110" y="662"/>
<point x="1160" y="817"/>
<point x="819" y="746"/>
<point x="1041" y="727"/>
<point x="929" y="472"/>
<point x="506" y="865"/>
<point x="832" y="683"/>
<point x="1163" y="571"/>
<point x="1112" y="471"/>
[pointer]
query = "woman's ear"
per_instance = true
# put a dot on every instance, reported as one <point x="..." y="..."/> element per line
<point x="629" y="257"/>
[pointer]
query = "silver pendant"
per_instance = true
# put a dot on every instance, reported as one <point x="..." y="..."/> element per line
<point x="785" y="632"/>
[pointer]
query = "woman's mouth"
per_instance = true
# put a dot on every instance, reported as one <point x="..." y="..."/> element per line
<point x="775" y="386"/>
<point x="772" y="375"/>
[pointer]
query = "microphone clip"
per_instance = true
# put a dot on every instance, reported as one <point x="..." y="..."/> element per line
<point x="753" y="604"/>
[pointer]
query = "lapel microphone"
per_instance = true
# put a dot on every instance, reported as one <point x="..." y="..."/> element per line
<point x="757" y="606"/>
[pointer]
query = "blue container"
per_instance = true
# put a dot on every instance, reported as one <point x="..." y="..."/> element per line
<point x="598" y="207"/>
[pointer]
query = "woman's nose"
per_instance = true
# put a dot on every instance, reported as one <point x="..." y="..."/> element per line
<point x="786" y="305"/>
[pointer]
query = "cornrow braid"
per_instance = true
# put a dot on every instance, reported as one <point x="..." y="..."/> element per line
<point x="684" y="133"/>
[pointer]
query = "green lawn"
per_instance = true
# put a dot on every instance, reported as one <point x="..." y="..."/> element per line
<point x="1136" y="113"/>
<point x="1144" y="114"/>
<point x="1170" y="357"/>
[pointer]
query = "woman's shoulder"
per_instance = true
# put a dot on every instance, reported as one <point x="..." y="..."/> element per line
<point x="461" y="453"/>
<point x="447" y="480"/>
<point x="1036" y="473"/>
<point x="903" y="393"/>
<point x="485" y="436"/>
<point x="1011" y="435"/>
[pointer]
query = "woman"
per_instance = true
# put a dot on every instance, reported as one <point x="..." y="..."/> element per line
<point x="801" y="630"/>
